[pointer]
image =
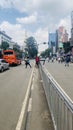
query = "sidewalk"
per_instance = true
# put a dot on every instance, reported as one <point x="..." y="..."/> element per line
<point x="39" y="117"/>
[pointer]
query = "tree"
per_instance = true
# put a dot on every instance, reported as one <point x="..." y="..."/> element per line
<point x="66" y="46"/>
<point x="4" y="45"/>
<point x="31" y="47"/>
<point x="17" y="51"/>
<point x="46" y="53"/>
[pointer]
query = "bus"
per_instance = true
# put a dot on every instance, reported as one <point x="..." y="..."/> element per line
<point x="11" y="57"/>
<point x="1" y="56"/>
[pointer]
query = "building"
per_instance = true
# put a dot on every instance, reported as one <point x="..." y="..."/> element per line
<point x="4" y="37"/>
<point x="72" y="28"/>
<point x="65" y="37"/>
<point x="52" y="41"/>
<point x="57" y="39"/>
<point x="61" y="37"/>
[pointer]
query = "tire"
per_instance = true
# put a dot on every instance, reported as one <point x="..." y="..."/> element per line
<point x="2" y="69"/>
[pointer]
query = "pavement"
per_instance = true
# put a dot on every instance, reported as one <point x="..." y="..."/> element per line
<point x="38" y="117"/>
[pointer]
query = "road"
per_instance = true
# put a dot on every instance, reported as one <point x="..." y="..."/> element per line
<point x="63" y="75"/>
<point x="13" y="86"/>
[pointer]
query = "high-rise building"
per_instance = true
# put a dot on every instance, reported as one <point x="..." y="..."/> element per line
<point x="4" y="37"/>
<point x="72" y="19"/>
<point x="56" y="40"/>
<point x="65" y="36"/>
<point x="62" y="36"/>
<point x="52" y="41"/>
<point x="71" y="28"/>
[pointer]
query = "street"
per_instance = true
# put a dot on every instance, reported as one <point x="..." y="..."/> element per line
<point x="13" y="86"/>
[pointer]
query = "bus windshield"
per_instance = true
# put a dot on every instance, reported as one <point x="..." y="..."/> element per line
<point x="8" y="53"/>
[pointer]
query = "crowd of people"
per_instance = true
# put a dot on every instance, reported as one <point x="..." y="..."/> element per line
<point x="60" y="59"/>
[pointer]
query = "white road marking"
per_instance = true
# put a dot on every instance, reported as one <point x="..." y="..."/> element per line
<point x="33" y="78"/>
<point x="32" y="87"/>
<point x="30" y="105"/>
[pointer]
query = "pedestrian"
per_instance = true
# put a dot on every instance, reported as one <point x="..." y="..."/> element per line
<point x="59" y="59"/>
<point x="27" y="62"/>
<point x="67" y="60"/>
<point x="52" y="60"/>
<point x="37" y="61"/>
<point x="48" y="59"/>
<point x="44" y="61"/>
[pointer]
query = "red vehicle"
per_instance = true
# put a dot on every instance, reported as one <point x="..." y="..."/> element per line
<point x="10" y="57"/>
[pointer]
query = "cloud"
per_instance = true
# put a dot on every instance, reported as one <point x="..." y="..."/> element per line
<point x="15" y="31"/>
<point x="18" y="34"/>
<point x="42" y="36"/>
<point x="47" y="10"/>
<point x="6" y="3"/>
<point x="48" y="6"/>
<point x="27" y="20"/>
<point x="45" y="15"/>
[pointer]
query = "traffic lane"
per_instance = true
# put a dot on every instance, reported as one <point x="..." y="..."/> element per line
<point x="63" y="75"/>
<point x="13" y="86"/>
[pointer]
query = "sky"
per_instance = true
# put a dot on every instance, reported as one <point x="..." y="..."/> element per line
<point x="23" y="18"/>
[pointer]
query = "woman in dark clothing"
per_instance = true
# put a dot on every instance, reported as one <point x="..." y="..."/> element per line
<point x="67" y="60"/>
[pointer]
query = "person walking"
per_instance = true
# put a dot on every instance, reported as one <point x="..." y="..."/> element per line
<point x="67" y="60"/>
<point x="44" y="61"/>
<point x="37" y="61"/>
<point x="27" y="62"/>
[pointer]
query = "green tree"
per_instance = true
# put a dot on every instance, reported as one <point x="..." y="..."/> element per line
<point x="17" y="51"/>
<point x="4" y="45"/>
<point x="31" y="47"/>
<point x="46" y="53"/>
<point x="66" y="46"/>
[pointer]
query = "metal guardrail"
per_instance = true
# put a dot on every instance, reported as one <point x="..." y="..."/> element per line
<point x="61" y="106"/>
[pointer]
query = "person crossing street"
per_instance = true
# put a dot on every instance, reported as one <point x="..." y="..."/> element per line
<point x="27" y="62"/>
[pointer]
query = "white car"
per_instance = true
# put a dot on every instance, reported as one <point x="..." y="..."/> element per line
<point x="3" y="65"/>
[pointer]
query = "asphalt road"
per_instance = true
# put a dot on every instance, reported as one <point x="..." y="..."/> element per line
<point x="13" y="86"/>
<point x="63" y="75"/>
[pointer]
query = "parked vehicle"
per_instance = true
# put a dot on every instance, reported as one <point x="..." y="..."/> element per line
<point x="71" y="59"/>
<point x="11" y="57"/>
<point x="3" y="65"/>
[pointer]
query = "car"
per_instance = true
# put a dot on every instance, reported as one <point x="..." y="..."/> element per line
<point x="3" y="65"/>
<point x="18" y="61"/>
<point x="42" y="59"/>
<point x="71" y="59"/>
